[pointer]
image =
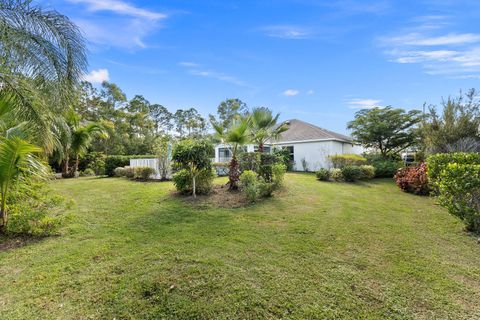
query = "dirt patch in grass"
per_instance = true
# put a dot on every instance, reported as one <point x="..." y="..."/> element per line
<point x="10" y="243"/>
<point x="220" y="197"/>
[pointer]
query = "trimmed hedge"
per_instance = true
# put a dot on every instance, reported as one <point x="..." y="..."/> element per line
<point x="438" y="162"/>
<point x="114" y="161"/>
<point x="342" y="160"/>
<point x="459" y="192"/>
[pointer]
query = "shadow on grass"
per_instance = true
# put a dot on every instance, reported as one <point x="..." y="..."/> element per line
<point x="11" y="242"/>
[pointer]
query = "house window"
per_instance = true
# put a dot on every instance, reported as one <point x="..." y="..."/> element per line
<point x="224" y="154"/>
<point x="291" y="153"/>
<point x="266" y="149"/>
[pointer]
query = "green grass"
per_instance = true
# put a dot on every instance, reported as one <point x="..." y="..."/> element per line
<point x="320" y="250"/>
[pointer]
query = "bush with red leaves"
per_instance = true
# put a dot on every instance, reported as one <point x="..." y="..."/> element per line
<point x="413" y="179"/>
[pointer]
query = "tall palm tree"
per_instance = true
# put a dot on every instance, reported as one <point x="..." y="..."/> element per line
<point x="235" y="136"/>
<point x="265" y="127"/>
<point x="42" y="57"/>
<point x="75" y="138"/>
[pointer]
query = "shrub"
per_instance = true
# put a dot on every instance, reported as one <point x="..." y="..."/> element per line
<point x="351" y="173"/>
<point x="413" y="179"/>
<point x="438" y="162"/>
<point x="129" y="172"/>
<point x="249" y="184"/>
<point x="368" y="172"/>
<point x="336" y="174"/>
<point x="194" y="156"/>
<point x="278" y="175"/>
<point x="249" y="161"/>
<point x="182" y="181"/>
<point x="94" y="161"/>
<point x="34" y="209"/>
<point x="88" y="172"/>
<point x="283" y="155"/>
<point x="342" y="160"/>
<point x="115" y="161"/>
<point x="267" y="161"/>
<point x="143" y="173"/>
<point x="119" y="172"/>
<point x="323" y="174"/>
<point x="384" y="167"/>
<point x="459" y="192"/>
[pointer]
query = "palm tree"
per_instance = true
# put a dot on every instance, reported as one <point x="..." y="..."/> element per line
<point x="16" y="159"/>
<point x="235" y="136"/>
<point x="264" y="127"/>
<point x="42" y="57"/>
<point x="74" y="140"/>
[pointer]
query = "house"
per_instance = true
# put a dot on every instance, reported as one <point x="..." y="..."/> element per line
<point x="309" y="146"/>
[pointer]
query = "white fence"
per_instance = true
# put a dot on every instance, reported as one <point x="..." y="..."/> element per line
<point x="151" y="163"/>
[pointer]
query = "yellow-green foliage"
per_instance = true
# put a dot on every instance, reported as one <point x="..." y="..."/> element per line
<point x="342" y="160"/>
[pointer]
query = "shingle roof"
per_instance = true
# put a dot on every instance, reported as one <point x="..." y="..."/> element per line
<point x="303" y="131"/>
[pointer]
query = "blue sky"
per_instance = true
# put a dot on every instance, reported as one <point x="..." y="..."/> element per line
<point x="319" y="61"/>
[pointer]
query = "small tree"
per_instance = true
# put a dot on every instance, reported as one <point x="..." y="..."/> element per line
<point x="235" y="136"/>
<point x="193" y="156"/>
<point x="386" y="129"/>
<point x="457" y="129"/>
<point x="265" y="127"/>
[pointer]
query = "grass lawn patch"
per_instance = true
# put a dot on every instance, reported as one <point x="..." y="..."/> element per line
<point x="131" y="250"/>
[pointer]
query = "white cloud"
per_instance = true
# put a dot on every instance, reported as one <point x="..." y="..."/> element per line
<point x="287" y="32"/>
<point x="438" y="52"/>
<point x="290" y="92"/>
<point x="197" y="70"/>
<point x="363" y="103"/>
<point x="120" y="7"/>
<point x="97" y="76"/>
<point x="310" y="92"/>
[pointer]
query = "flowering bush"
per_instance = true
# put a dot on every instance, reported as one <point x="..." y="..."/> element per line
<point x="323" y="174"/>
<point x="413" y="179"/>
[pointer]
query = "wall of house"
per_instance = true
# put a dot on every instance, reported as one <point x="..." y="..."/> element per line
<point x="316" y="153"/>
<point x="250" y="148"/>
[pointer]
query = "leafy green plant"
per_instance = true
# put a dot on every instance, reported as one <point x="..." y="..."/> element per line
<point x="88" y="172"/>
<point x="130" y="172"/>
<point x="119" y="172"/>
<point x="459" y="191"/>
<point x="278" y="175"/>
<point x="249" y="183"/>
<point x="183" y="182"/>
<point x="114" y="161"/>
<point x="341" y="160"/>
<point x="337" y="174"/>
<point x="194" y="156"/>
<point x="368" y="172"/>
<point x="438" y="162"/>
<point x="323" y="174"/>
<point x="267" y="161"/>
<point x="351" y="173"/>
<point x="144" y="173"/>
<point x="249" y="161"/>
<point x="385" y="167"/>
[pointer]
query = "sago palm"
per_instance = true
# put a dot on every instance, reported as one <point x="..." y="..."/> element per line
<point x="235" y="136"/>
<point x="265" y="127"/>
<point x="17" y="157"/>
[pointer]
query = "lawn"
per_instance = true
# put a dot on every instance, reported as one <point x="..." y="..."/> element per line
<point x="318" y="250"/>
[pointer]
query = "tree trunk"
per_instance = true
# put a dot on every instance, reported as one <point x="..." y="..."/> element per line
<point x="75" y="167"/>
<point x="3" y="213"/>
<point x="65" y="172"/>
<point x="260" y="148"/>
<point x="234" y="174"/>
<point x="194" y="191"/>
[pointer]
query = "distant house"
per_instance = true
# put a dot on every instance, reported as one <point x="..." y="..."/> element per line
<point x="308" y="145"/>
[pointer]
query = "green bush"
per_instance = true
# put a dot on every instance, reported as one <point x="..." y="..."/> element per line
<point x="143" y="173"/>
<point x="129" y="172"/>
<point x="88" y="172"/>
<point x="342" y="160"/>
<point x="267" y="161"/>
<point x="94" y="161"/>
<point x="249" y="161"/>
<point x="278" y="175"/>
<point x="384" y="167"/>
<point x="336" y="174"/>
<point x="459" y="191"/>
<point x="119" y="172"/>
<point x="34" y="209"/>
<point x="114" y="161"/>
<point x="351" y="173"/>
<point x="182" y="180"/>
<point x="283" y="155"/>
<point x="323" y="174"/>
<point x="368" y="172"/>
<point x="438" y="162"/>
<point x="249" y="183"/>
